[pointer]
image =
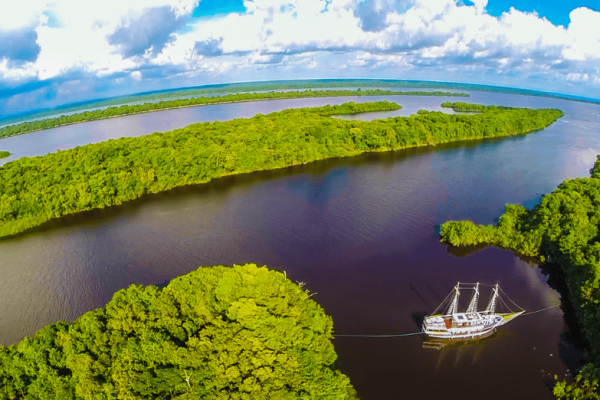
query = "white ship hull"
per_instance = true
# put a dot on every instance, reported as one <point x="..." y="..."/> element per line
<point x="472" y="324"/>
<point x="462" y="326"/>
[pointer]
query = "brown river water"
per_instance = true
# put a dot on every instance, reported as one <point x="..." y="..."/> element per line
<point x="361" y="232"/>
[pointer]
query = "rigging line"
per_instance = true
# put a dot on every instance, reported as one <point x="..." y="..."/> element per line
<point x="502" y="303"/>
<point x="509" y="299"/>
<point x="443" y="302"/>
<point x="543" y="309"/>
<point x="506" y="305"/>
<point x="382" y="336"/>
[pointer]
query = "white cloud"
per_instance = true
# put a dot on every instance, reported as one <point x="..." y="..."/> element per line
<point x="113" y="39"/>
<point x="19" y="14"/>
<point x="136" y="75"/>
<point x="80" y="42"/>
<point x="584" y="35"/>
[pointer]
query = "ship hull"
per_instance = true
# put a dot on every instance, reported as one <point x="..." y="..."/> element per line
<point x="463" y="336"/>
<point x="463" y="326"/>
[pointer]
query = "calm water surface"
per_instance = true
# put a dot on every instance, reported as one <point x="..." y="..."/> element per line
<point x="360" y="232"/>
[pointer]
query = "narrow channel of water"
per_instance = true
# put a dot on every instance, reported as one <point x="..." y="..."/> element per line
<point x="70" y="136"/>
<point x="360" y="232"/>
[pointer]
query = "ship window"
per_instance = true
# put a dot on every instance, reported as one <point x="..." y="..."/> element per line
<point x="459" y="317"/>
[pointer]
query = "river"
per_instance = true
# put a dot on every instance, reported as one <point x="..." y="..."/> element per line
<point x="361" y="232"/>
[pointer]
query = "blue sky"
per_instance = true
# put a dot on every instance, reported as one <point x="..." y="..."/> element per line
<point x="208" y="8"/>
<point x="555" y="11"/>
<point x="61" y="51"/>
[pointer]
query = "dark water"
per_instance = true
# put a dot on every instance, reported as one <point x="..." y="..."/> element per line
<point x="360" y="232"/>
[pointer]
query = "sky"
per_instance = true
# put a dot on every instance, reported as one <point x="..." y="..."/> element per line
<point x="54" y="52"/>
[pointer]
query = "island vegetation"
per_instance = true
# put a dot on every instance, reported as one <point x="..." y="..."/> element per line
<point x="468" y="107"/>
<point x="111" y="112"/>
<point x="563" y="229"/>
<point x="4" y="154"/>
<point x="241" y="332"/>
<point x="35" y="190"/>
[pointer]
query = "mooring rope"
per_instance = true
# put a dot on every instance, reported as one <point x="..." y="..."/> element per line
<point x="420" y="333"/>
<point x="543" y="309"/>
<point x="374" y="336"/>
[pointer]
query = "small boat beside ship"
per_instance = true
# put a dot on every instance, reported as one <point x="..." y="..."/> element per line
<point x="448" y="323"/>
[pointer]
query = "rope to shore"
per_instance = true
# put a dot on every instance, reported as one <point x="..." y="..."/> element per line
<point x="382" y="336"/>
<point x="421" y="333"/>
<point x="543" y="309"/>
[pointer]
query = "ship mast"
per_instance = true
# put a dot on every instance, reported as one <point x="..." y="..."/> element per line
<point x="472" y="309"/>
<point x="454" y="305"/>
<point x="491" y="308"/>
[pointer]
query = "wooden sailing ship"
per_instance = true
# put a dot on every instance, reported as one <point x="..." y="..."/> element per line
<point x="452" y="325"/>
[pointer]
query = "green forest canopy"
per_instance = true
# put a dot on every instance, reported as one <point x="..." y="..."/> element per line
<point x="123" y="110"/>
<point x="4" y="154"/>
<point x="240" y="332"/>
<point x="563" y="228"/>
<point x="468" y="107"/>
<point x="35" y="190"/>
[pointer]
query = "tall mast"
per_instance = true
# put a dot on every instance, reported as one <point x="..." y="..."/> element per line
<point x="454" y="305"/>
<point x="472" y="309"/>
<point x="491" y="308"/>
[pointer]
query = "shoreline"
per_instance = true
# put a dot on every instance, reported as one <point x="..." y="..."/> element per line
<point x="348" y="145"/>
<point x="358" y="94"/>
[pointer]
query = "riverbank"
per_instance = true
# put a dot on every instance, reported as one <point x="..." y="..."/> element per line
<point x="242" y="331"/>
<point x="4" y="154"/>
<point x="562" y="229"/>
<point x="125" y="110"/>
<point x="35" y="190"/>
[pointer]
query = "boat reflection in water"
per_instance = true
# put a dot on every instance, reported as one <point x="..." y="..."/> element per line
<point x="447" y="324"/>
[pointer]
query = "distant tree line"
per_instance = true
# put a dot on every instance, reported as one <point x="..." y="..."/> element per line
<point x="123" y="110"/>
<point x="35" y="190"/>
<point x="468" y="107"/>
<point x="4" y="154"/>
<point x="345" y="83"/>
<point x="564" y="228"/>
<point x="240" y="332"/>
<point x="231" y="88"/>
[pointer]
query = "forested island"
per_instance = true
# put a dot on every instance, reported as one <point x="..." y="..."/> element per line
<point x="562" y="229"/>
<point x="241" y="332"/>
<point x="123" y="110"/>
<point x="4" y="154"/>
<point x="468" y="107"/>
<point x="35" y="190"/>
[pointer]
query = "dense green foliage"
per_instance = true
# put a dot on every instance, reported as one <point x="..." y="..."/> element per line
<point x="585" y="386"/>
<point x="216" y="333"/>
<point x="111" y="112"/>
<point x="468" y="107"/>
<point x="34" y="190"/>
<point x="4" y="154"/>
<point x="563" y="228"/>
